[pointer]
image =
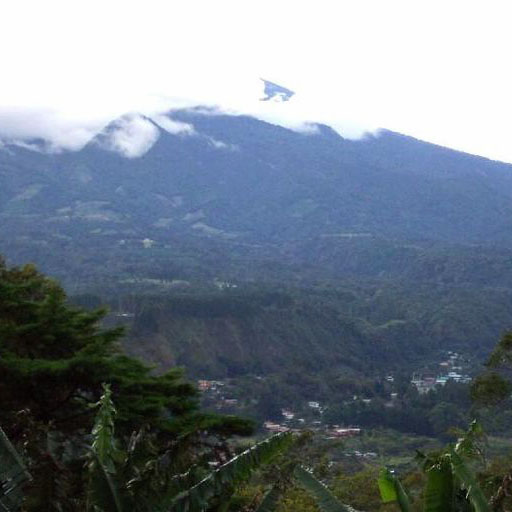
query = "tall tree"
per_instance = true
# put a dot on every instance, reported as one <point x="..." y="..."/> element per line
<point x="54" y="358"/>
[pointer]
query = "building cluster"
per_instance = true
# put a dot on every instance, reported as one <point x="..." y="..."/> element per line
<point x="291" y="423"/>
<point x="336" y="432"/>
<point x="424" y="384"/>
<point x="364" y="455"/>
<point x="217" y="390"/>
<point x="275" y="427"/>
<point x="209" y="385"/>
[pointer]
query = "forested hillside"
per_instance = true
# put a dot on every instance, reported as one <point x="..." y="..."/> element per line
<point x="307" y="281"/>
<point x="247" y="248"/>
<point x="365" y="328"/>
<point x="255" y="257"/>
<point x="243" y="180"/>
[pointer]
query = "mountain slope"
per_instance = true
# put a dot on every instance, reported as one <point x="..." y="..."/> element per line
<point x="207" y="205"/>
<point x="236" y="183"/>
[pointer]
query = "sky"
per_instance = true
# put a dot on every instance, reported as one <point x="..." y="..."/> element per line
<point x="439" y="71"/>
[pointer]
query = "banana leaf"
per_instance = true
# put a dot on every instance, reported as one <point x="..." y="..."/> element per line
<point x="468" y="480"/>
<point x="326" y="501"/>
<point x="391" y="490"/>
<point x="269" y="501"/>
<point x="237" y="469"/>
<point x="439" y="491"/>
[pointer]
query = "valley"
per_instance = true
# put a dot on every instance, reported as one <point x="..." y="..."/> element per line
<point x="255" y="256"/>
<point x="349" y="290"/>
<point x="234" y="248"/>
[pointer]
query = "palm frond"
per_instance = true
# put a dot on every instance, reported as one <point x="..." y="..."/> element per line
<point x="104" y="493"/>
<point x="234" y="471"/>
<point x="391" y="490"/>
<point x="326" y="501"/>
<point x="269" y="501"/>
<point x="468" y="481"/>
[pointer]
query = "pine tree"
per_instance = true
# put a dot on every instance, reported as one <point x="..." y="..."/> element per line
<point x="54" y="360"/>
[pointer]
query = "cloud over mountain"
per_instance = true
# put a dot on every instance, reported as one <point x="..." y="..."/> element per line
<point x="133" y="134"/>
<point x="68" y="70"/>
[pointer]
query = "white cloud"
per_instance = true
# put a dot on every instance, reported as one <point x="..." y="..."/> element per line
<point x="131" y="136"/>
<point x="437" y="70"/>
<point x="17" y="123"/>
<point x="173" y="126"/>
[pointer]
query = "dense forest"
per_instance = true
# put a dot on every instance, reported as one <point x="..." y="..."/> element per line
<point x="88" y="427"/>
<point x="278" y="347"/>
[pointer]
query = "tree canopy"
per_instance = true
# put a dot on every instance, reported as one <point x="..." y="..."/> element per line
<point x="54" y="360"/>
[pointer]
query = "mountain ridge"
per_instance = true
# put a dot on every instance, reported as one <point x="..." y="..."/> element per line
<point x="42" y="145"/>
<point x="221" y="179"/>
<point x="411" y="240"/>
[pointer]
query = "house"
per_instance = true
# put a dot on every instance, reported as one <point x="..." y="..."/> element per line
<point x="275" y="427"/>
<point x="345" y="432"/>
<point x="289" y="415"/>
<point x="424" y="385"/>
<point x="204" y="385"/>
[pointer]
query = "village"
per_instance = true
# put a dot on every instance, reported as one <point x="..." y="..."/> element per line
<point x="450" y="368"/>
<point x="220" y="395"/>
<point x="290" y="420"/>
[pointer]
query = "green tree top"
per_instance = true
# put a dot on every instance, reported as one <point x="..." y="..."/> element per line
<point x="494" y="386"/>
<point x="54" y="358"/>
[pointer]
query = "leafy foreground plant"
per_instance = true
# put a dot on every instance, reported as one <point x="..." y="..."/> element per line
<point x="122" y="480"/>
<point x="54" y="358"/>
<point x="286" y="477"/>
<point x="136" y="479"/>
<point x="13" y="475"/>
<point x="325" y="500"/>
<point x="451" y="485"/>
<point x="317" y="490"/>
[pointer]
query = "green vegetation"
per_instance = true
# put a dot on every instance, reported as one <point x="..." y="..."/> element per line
<point x="295" y="270"/>
<point x="360" y="327"/>
<point x="53" y="360"/>
<point x="13" y="475"/>
<point x="450" y="483"/>
<point x="142" y="479"/>
<point x="277" y="348"/>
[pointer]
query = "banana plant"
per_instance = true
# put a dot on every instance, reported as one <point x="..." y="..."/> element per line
<point x="13" y="476"/>
<point x="119" y="480"/>
<point x="270" y="500"/>
<point x="451" y="485"/>
<point x="234" y="471"/>
<point x="324" y="498"/>
<point x="135" y="479"/>
<point x="391" y="490"/>
<point x="104" y="493"/>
